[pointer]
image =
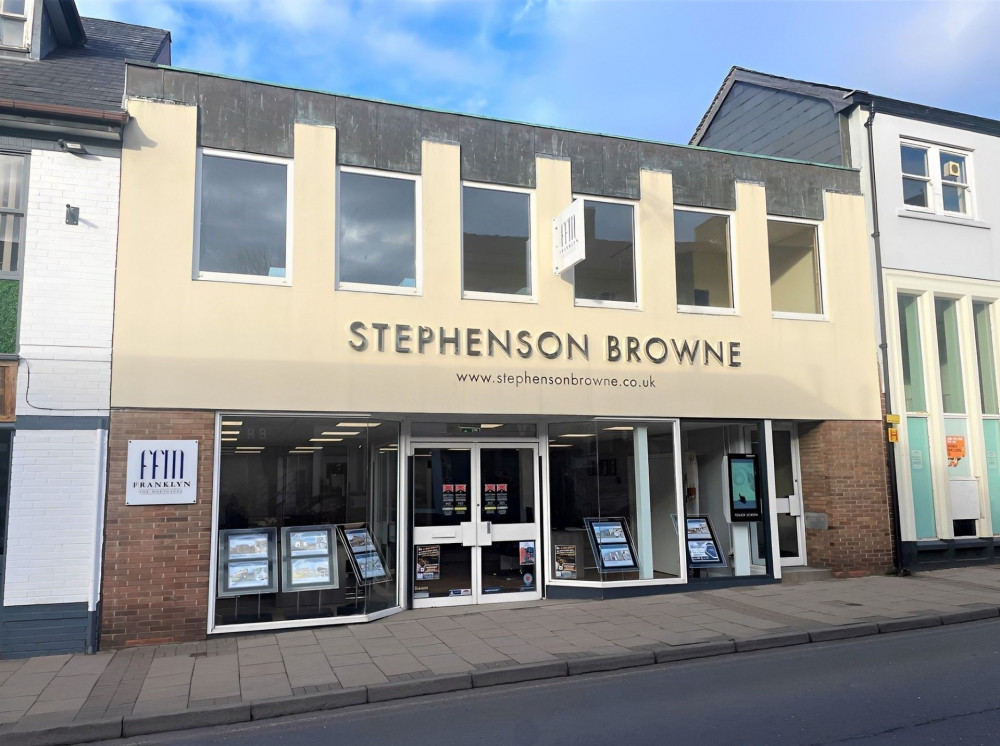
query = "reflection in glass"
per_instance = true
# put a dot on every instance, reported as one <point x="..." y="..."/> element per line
<point x="913" y="370"/>
<point x="608" y="272"/>
<point x="701" y="254"/>
<point x="243" y="217"/>
<point x="914" y="163"/>
<point x="949" y="357"/>
<point x="378" y="230"/>
<point x="495" y="241"/>
<point x="985" y="358"/>
<point x="311" y="471"/>
<point x="793" y="257"/>
<point x="953" y="181"/>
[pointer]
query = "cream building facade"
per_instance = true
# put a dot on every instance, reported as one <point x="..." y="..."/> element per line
<point x="351" y="309"/>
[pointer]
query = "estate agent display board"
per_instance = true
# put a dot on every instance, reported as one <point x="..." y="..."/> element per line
<point x="248" y="559"/>
<point x="309" y="558"/>
<point x="702" y="543"/>
<point x="612" y="544"/>
<point x="364" y="555"/>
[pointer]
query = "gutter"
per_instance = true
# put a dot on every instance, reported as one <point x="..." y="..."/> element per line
<point x="897" y="544"/>
<point x="62" y="111"/>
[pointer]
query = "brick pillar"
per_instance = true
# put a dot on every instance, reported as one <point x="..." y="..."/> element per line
<point x="844" y="484"/>
<point x="156" y="557"/>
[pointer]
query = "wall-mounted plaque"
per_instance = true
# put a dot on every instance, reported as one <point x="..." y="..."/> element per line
<point x="161" y="472"/>
<point x="309" y="558"/>
<point x="247" y="561"/>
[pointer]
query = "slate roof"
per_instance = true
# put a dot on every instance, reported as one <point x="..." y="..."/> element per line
<point x="91" y="76"/>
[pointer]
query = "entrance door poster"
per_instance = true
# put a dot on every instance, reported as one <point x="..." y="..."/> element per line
<point x="702" y="543"/>
<point x="526" y="551"/>
<point x="309" y="558"/>
<point x="743" y="488"/>
<point x="429" y="562"/>
<point x="363" y="553"/>
<point x="612" y="544"/>
<point x="490" y="499"/>
<point x="461" y="499"/>
<point x="565" y="561"/>
<point x="247" y="561"/>
<point x="501" y="498"/>
<point x="448" y="499"/>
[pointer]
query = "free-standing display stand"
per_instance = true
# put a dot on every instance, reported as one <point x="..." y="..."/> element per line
<point x="363" y="554"/>
<point x="612" y="544"/>
<point x="702" y="543"/>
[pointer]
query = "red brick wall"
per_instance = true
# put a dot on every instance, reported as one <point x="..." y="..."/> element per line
<point x="844" y="476"/>
<point x="156" y="557"/>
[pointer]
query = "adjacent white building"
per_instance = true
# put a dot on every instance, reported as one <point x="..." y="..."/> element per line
<point x="932" y="184"/>
<point x="60" y="165"/>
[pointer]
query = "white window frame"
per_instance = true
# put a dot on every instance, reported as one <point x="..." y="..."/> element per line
<point x="21" y="212"/>
<point x="935" y="181"/>
<point x="824" y="315"/>
<point x="197" y="274"/>
<point x="29" y="6"/>
<point x="418" y="239"/>
<point x="712" y="310"/>
<point x="532" y="296"/>
<point x="636" y="256"/>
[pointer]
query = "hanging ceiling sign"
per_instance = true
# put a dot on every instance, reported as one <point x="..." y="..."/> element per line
<point x="568" y="245"/>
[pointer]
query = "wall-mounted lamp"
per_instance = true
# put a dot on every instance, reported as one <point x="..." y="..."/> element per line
<point x="72" y="215"/>
<point x="76" y="148"/>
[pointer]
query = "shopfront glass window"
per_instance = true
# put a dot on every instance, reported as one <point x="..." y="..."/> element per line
<point x="793" y="258"/>
<point x="606" y="471"/>
<point x="608" y="272"/>
<point x="496" y="241"/>
<point x="985" y="358"/>
<point x="243" y="211"/>
<point x="378" y="231"/>
<point x="913" y="370"/>
<point x="307" y="518"/>
<point x="949" y="356"/>
<point x="702" y="259"/>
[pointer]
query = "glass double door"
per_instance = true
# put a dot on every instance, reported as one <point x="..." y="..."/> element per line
<point x="475" y="523"/>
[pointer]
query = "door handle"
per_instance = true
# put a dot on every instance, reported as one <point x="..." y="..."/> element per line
<point x="489" y="528"/>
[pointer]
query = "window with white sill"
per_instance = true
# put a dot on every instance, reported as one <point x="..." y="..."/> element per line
<point x="14" y="24"/>
<point x="936" y="179"/>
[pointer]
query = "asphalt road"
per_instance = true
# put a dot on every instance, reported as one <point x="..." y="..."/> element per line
<point x="935" y="686"/>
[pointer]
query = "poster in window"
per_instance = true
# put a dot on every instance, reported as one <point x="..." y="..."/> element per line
<point x="501" y="498"/>
<point x="702" y="543"/>
<point x="428" y="562"/>
<point x="489" y="498"/>
<point x="461" y="499"/>
<point x="612" y="544"/>
<point x="447" y="499"/>
<point x="247" y="562"/>
<point x="309" y="558"/>
<point x="743" y="488"/>
<point x="526" y="552"/>
<point x="565" y="561"/>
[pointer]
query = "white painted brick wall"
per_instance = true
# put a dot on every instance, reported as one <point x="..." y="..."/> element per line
<point x="52" y="518"/>
<point x="67" y="301"/>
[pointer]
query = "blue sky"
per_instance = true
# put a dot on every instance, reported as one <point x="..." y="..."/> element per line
<point x="637" y="68"/>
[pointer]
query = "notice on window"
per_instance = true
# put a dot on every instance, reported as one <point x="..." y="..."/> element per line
<point x="448" y="499"/>
<point x="461" y="499"/>
<point x="490" y="498"/>
<point x="565" y="561"/>
<point x="527" y="552"/>
<point x="429" y="562"/>
<point x="501" y="499"/>
<point x="956" y="449"/>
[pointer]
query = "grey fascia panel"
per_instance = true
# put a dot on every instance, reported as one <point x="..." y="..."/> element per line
<point x="398" y="139"/>
<point x="515" y="154"/>
<point x="180" y="87"/>
<point x="357" y="132"/>
<point x="478" y="138"/>
<point x="270" y="120"/>
<point x="315" y="108"/>
<point x="222" y="113"/>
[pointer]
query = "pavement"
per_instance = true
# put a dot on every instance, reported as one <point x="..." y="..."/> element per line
<point x="64" y="699"/>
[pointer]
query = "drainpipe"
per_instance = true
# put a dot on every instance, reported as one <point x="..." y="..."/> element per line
<point x="897" y="544"/>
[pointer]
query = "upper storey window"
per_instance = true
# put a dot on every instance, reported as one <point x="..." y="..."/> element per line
<point x="13" y="202"/>
<point x="243" y="225"/>
<point x="607" y="276"/>
<point x="936" y="178"/>
<point x="14" y="24"/>
<point x="702" y="259"/>
<point x="377" y="244"/>
<point x="496" y="243"/>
